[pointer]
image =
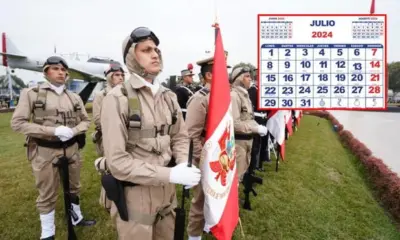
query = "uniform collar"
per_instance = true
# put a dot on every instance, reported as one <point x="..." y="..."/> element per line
<point x="138" y="82"/>
<point x="208" y="85"/>
<point x="48" y="85"/>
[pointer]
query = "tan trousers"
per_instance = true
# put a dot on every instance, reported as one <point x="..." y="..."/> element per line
<point x="143" y="202"/>
<point x="99" y="147"/>
<point x="47" y="178"/>
<point x="243" y="156"/>
<point x="103" y="200"/>
<point x="196" y="214"/>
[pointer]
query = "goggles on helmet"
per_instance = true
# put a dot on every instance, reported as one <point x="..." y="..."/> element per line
<point x="137" y="35"/>
<point x="56" y="60"/>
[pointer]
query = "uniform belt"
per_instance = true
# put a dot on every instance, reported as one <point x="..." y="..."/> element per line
<point x="243" y="136"/>
<point x="54" y="144"/>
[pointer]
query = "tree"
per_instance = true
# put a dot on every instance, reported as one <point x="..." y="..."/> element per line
<point x="17" y="82"/>
<point x="394" y="76"/>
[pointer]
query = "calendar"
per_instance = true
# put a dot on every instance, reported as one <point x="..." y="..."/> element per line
<point x="335" y="62"/>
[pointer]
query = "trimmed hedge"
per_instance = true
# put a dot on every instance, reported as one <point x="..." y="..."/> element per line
<point x="385" y="181"/>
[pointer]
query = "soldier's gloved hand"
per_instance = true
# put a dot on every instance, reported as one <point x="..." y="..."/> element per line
<point x="182" y="174"/>
<point x="64" y="133"/>
<point x="262" y="130"/>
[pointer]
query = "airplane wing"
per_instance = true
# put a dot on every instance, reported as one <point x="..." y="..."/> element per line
<point x="80" y="74"/>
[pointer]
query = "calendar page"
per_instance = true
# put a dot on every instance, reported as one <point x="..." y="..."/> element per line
<point x="335" y="62"/>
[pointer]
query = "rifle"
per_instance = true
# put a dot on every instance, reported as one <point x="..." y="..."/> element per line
<point x="180" y="212"/>
<point x="258" y="142"/>
<point x="249" y="179"/>
<point x="62" y="164"/>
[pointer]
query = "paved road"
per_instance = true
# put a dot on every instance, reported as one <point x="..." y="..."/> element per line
<point x="380" y="131"/>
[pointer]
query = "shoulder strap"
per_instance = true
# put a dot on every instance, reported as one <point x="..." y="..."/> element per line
<point x="41" y="97"/>
<point x="73" y="100"/>
<point x="204" y="91"/>
<point x="187" y="89"/>
<point x="171" y="106"/>
<point x="134" y="108"/>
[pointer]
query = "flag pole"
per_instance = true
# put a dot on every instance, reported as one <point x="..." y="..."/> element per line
<point x="372" y="8"/>
<point x="215" y="25"/>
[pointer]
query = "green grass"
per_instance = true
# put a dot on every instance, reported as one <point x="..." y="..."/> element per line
<point x="320" y="192"/>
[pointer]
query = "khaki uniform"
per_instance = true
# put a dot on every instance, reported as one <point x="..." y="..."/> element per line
<point x="245" y="126"/>
<point x="97" y="102"/>
<point x="196" y="116"/>
<point x="97" y="138"/>
<point x="40" y="132"/>
<point x="138" y="149"/>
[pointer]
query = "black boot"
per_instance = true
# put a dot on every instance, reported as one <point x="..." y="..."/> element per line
<point x="86" y="223"/>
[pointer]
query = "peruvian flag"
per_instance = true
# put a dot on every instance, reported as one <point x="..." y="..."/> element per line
<point x="219" y="176"/>
<point x="288" y="121"/>
<point x="276" y="127"/>
<point x="297" y="115"/>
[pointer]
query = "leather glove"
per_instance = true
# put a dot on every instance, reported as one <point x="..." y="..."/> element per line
<point x="182" y="174"/>
<point x="64" y="133"/>
<point x="262" y="130"/>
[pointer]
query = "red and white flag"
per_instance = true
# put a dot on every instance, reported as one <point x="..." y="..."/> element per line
<point x="219" y="176"/>
<point x="288" y="121"/>
<point x="276" y="127"/>
<point x="297" y="115"/>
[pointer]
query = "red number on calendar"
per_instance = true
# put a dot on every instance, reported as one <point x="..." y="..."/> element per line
<point x="374" y="77"/>
<point x="374" y="89"/>
<point x="374" y="51"/>
<point x="322" y="34"/>
<point x="375" y="64"/>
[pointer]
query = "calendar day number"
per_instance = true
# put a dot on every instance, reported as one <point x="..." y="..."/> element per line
<point x="269" y="102"/>
<point x="321" y="34"/>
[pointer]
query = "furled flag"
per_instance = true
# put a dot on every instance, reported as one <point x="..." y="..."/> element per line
<point x="219" y="176"/>
<point x="288" y="121"/>
<point x="298" y="114"/>
<point x="276" y="127"/>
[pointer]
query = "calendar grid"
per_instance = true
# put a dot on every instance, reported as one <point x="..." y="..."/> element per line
<point x="279" y="99"/>
<point x="312" y="62"/>
<point x="338" y="73"/>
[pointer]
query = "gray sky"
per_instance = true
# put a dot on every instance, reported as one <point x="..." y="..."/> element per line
<point x="98" y="27"/>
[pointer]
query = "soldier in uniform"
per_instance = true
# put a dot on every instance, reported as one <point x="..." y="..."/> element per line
<point x="114" y="75"/>
<point x="243" y="116"/>
<point x="185" y="90"/>
<point x="143" y="130"/>
<point x="48" y="105"/>
<point x="259" y="147"/>
<point x="197" y="108"/>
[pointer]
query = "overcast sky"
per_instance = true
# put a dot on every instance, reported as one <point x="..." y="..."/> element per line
<point x="98" y="27"/>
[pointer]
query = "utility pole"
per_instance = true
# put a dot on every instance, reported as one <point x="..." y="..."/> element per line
<point x="10" y="88"/>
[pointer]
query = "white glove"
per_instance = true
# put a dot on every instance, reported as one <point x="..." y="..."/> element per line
<point x="64" y="133"/>
<point x="182" y="174"/>
<point x="262" y="130"/>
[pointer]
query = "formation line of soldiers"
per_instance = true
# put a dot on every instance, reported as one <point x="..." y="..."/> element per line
<point x="141" y="137"/>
